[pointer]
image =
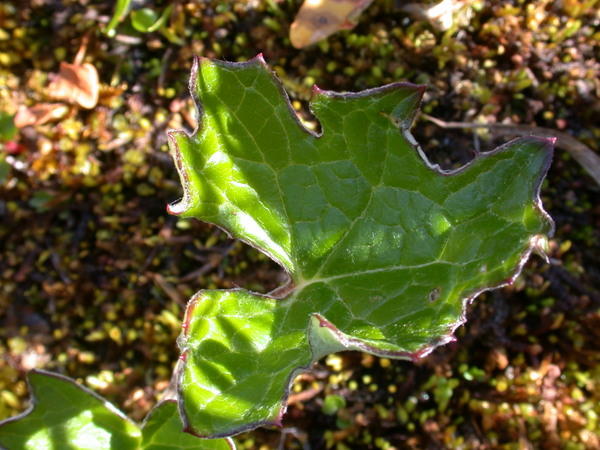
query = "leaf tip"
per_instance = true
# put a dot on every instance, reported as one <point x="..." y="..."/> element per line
<point x="175" y="208"/>
<point x="278" y="421"/>
<point x="420" y="90"/>
<point x="259" y="58"/>
<point x="539" y="245"/>
<point x="316" y="90"/>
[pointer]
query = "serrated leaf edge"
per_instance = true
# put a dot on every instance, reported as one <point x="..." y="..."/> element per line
<point x="288" y="287"/>
<point x="33" y="402"/>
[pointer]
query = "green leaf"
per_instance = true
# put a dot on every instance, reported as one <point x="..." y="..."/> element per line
<point x="333" y="403"/>
<point x="146" y="20"/>
<point x="8" y="130"/>
<point x="383" y="249"/>
<point x="143" y="19"/>
<point x="162" y="431"/>
<point x="4" y="169"/>
<point x="121" y="9"/>
<point x="65" y="415"/>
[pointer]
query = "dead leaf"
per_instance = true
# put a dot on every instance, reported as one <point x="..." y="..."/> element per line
<point x="441" y="15"/>
<point x="39" y="114"/>
<point x="76" y="83"/>
<point x="109" y="94"/>
<point x="317" y="19"/>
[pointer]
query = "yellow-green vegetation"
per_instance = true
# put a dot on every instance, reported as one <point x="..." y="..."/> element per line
<point x="94" y="275"/>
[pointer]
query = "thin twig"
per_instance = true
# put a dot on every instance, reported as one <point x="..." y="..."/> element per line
<point x="78" y="60"/>
<point x="304" y="396"/>
<point x="213" y="262"/>
<point x="164" y="67"/>
<point x="580" y="152"/>
<point x="168" y="288"/>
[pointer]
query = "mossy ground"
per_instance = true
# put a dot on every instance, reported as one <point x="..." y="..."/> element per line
<point x="94" y="275"/>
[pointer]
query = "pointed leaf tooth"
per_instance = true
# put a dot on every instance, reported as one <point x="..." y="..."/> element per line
<point x="399" y="102"/>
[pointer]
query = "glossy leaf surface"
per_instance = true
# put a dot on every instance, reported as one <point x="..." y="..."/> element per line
<point x="382" y="248"/>
<point x="162" y="431"/>
<point x="65" y="415"/>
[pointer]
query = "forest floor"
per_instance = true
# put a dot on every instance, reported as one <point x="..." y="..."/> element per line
<point x="95" y="275"/>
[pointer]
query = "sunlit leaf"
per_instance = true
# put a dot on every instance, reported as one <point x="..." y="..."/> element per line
<point x="383" y="249"/>
<point x="162" y="431"/>
<point x="65" y="415"/>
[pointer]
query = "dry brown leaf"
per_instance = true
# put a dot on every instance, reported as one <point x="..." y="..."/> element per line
<point x="441" y="15"/>
<point x="317" y="19"/>
<point x="39" y="114"/>
<point x="108" y="94"/>
<point x="76" y="83"/>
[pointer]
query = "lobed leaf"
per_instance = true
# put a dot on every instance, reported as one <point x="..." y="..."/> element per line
<point x="65" y="415"/>
<point x="383" y="249"/>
